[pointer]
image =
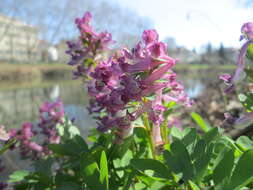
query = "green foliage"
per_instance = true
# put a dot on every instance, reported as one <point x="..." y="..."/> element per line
<point x="243" y="172"/>
<point x="159" y="169"/>
<point x="246" y="100"/>
<point x="250" y="52"/>
<point x="189" y="161"/>
<point x="18" y="176"/>
<point x="200" y="122"/>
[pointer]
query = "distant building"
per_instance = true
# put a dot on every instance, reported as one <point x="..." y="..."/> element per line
<point x="18" y="41"/>
<point x="61" y="49"/>
<point x="53" y="54"/>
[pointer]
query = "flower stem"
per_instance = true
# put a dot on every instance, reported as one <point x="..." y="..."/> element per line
<point x="149" y="132"/>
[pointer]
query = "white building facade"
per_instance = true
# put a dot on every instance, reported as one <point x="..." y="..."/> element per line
<point x="18" y="41"/>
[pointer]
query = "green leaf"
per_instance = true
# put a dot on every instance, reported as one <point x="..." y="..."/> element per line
<point x="104" y="171"/>
<point x="199" y="149"/>
<point x="140" y="134"/>
<point x="250" y="52"/>
<point x="68" y="186"/>
<point x="122" y="149"/>
<point x="200" y="122"/>
<point x="228" y="142"/>
<point x="41" y="186"/>
<point x="176" y="133"/>
<point x="58" y="149"/>
<point x="73" y="131"/>
<point x="129" y="180"/>
<point x="201" y="163"/>
<point x="223" y="170"/>
<point x="244" y="143"/>
<point x="157" y="185"/>
<point x="70" y="147"/>
<point x="18" y="176"/>
<point x="43" y="168"/>
<point x="160" y="170"/>
<point x="211" y="135"/>
<point x="246" y="100"/>
<point x="178" y="159"/>
<point x="193" y="186"/>
<point x="60" y="177"/>
<point x="23" y="186"/>
<point x="90" y="172"/>
<point x="7" y="146"/>
<point x="190" y="139"/>
<point x="81" y="143"/>
<point x="243" y="172"/>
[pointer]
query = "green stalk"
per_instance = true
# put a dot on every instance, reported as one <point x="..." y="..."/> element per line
<point x="149" y="131"/>
<point x="7" y="146"/>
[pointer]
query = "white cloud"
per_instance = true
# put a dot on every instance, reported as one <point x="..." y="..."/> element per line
<point x="195" y="22"/>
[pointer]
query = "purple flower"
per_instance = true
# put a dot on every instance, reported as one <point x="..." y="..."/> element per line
<point x="155" y="114"/>
<point x="51" y="114"/>
<point x="52" y="111"/>
<point x="157" y="74"/>
<point x="127" y="79"/>
<point x="87" y="48"/>
<point x="34" y="146"/>
<point x="247" y="30"/>
<point x="26" y="131"/>
<point x="175" y="122"/>
<point x="83" y="24"/>
<point x="241" y="122"/>
<point x="244" y="120"/>
<point x="226" y="78"/>
<point x="150" y="36"/>
<point x="228" y="121"/>
<point x="158" y="49"/>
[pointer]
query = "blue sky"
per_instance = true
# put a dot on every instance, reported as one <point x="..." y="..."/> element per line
<point x="194" y="23"/>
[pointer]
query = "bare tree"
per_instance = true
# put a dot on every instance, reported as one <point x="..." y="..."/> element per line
<point x="55" y="19"/>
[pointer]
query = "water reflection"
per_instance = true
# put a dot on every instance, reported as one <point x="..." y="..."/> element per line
<point x="194" y="88"/>
<point x="21" y="104"/>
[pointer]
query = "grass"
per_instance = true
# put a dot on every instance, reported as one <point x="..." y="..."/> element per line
<point x="204" y="66"/>
<point x="10" y="85"/>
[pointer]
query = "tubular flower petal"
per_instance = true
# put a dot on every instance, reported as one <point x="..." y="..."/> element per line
<point x="150" y="36"/>
<point x="238" y="75"/>
<point x="247" y="30"/>
<point x="244" y="120"/>
<point x="87" y="47"/>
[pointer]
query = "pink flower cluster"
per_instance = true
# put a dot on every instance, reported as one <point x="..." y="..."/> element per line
<point x="139" y="78"/>
<point x="51" y="114"/>
<point x="88" y="46"/>
<point x="25" y="137"/>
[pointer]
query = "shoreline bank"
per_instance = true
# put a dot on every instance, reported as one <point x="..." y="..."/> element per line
<point x="31" y="72"/>
<point x="46" y="71"/>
